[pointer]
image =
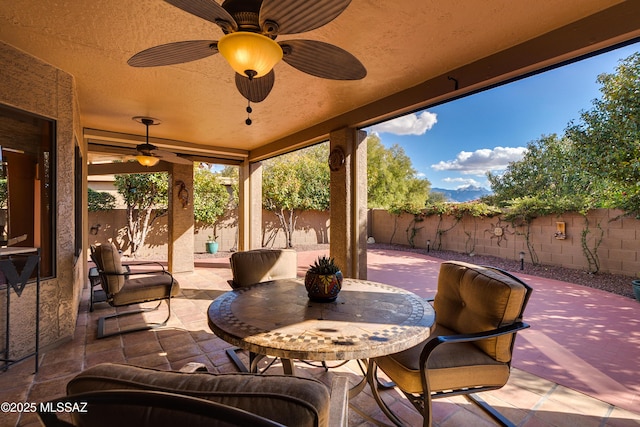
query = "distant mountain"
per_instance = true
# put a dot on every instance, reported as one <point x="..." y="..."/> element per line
<point x="464" y="194"/>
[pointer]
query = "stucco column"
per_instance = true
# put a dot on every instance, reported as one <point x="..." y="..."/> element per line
<point x="181" y="223"/>
<point x="250" y="206"/>
<point x="348" y="206"/>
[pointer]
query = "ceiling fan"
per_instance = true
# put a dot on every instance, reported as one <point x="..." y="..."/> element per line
<point x="148" y="154"/>
<point x="250" y="28"/>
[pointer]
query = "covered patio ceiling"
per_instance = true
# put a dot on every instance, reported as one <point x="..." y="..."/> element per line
<point x="417" y="53"/>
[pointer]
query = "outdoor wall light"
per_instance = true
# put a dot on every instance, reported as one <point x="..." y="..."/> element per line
<point x="250" y="54"/>
<point x="521" y="260"/>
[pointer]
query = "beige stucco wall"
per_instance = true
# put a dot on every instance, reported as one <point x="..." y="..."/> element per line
<point x="312" y="228"/>
<point x="31" y="85"/>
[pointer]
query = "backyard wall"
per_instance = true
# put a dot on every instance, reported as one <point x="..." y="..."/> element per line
<point x="312" y="227"/>
<point x="618" y="251"/>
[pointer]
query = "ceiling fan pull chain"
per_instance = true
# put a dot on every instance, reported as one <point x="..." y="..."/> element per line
<point x="249" y="111"/>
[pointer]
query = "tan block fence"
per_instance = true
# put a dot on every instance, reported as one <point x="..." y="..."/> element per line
<point x="555" y="240"/>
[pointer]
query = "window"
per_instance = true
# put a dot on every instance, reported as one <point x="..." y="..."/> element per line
<point x="27" y="176"/>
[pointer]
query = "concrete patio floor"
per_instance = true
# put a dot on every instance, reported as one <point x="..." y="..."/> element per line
<point x="574" y="367"/>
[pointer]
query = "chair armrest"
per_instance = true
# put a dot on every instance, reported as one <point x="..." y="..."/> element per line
<point x="449" y="339"/>
<point x="134" y="273"/>
<point x="192" y="367"/>
<point x="509" y="329"/>
<point x="128" y="405"/>
<point x="339" y="403"/>
<point x="137" y="263"/>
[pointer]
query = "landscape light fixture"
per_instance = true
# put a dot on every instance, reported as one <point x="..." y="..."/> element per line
<point x="428" y="245"/>
<point x="521" y="260"/>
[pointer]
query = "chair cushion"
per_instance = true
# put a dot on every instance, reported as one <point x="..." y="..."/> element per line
<point x="472" y="299"/>
<point x="107" y="257"/>
<point x="148" y="287"/>
<point x="262" y="265"/>
<point x="286" y="399"/>
<point x="451" y="366"/>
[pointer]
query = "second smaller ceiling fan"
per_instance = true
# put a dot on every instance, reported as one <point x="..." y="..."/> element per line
<point x="148" y="154"/>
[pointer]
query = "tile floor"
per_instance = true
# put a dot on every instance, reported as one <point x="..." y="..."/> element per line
<point x="529" y="399"/>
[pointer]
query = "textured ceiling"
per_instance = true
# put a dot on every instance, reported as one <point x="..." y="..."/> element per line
<point x="401" y="43"/>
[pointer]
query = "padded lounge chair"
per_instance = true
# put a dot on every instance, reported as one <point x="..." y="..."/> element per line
<point x="257" y="266"/>
<point x="478" y="312"/>
<point x="123" y="395"/>
<point x="262" y="265"/>
<point x="124" y="286"/>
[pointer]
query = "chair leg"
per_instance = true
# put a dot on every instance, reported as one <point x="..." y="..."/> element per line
<point x="372" y="379"/>
<point x="254" y="358"/>
<point x="232" y="353"/>
<point x="493" y="413"/>
<point x="102" y="321"/>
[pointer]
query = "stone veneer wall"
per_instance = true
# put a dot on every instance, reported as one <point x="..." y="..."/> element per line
<point x="31" y="85"/>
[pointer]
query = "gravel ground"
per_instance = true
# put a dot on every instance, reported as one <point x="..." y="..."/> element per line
<point x="614" y="283"/>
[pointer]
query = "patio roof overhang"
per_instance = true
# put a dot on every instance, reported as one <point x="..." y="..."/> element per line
<point x="416" y="54"/>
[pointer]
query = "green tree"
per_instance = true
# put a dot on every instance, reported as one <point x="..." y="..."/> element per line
<point x="549" y="171"/>
<point x="100" y="201"/>
<point x="210" y="198"/>
<point x="3" y="193"/>
<point x="392" y="183"/>
<point x="609" y="135"/>
<point x="145" y="195"/>
<point x="296" y="182"/>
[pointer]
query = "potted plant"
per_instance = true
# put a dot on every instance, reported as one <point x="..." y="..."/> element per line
<point x="636" y="288"/>
<point x="212" y="244"/>
<point x="323" y="280"/>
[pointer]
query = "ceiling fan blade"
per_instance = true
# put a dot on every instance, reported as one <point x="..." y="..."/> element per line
<point x="208" y="10"/>
<point x="322" y="60"/>
<point x="174" y="53"/>
<point x="298" y="16"/>
<point x="256" y="89"/>
<point x="170" y="157"/>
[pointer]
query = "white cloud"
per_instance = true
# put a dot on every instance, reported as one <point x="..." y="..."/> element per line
<point x="411" y="124"/>
<point x="463" y="182"/>
<point x="481" y="161"/>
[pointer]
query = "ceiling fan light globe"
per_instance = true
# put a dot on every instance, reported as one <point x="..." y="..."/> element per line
<point x="250" y="54"/>
<point x="147" y="161"/>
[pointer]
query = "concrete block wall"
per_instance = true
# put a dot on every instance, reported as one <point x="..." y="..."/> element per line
<point x="618" y="250"/>
<point x="312" y="227"/>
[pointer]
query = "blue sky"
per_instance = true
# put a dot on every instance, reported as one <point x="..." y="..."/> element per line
<point x="454" y="144"/>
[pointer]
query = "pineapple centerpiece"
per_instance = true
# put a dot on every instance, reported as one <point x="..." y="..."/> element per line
<point x="323" y="280"/>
